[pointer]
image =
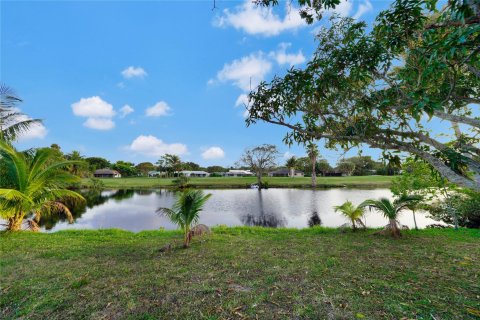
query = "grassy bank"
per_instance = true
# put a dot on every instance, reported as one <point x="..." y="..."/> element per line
<point x="242" y="182"/>
<point x="240" y="273"/>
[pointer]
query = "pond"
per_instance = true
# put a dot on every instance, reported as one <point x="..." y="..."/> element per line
<point x="134" y="210"/>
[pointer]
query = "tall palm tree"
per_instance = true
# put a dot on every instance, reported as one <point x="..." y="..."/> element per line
<point x="391" y="210"/>
<point x="12" y="122"/>
<point x="31" y="185"/>
<point x="353" y="213"/>
<point x="312" y="152"/>
<point x="186" y="211"/>
<point x="291" y="163"/>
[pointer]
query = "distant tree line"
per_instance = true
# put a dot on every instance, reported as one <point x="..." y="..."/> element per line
<point x="169" y="165"/>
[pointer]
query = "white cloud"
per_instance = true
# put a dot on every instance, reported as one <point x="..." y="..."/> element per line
<point x="99" y="123"/>
<point x="98" y="112"/>
<point x="343" y="8"/>
<point x="213" y="153"/>
<point x="93" y="107"/>
<point x="134" y="72"/>
<point x="282" y="57"/>
<point x="363" y="8"/>
<point x="254" y="19"/>
<point x="288" y="155"/>
<point x="247" y="72"/>
<point x="152" y="146"/>
<point x="242" y="100"/>
<point x="125" y="110"/>
<point x="161" y="108"/>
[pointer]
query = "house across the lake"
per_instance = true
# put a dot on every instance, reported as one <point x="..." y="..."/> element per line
<point x="238" y="173"/>
<point x="200" y="174"/>
<point x="155" y="174"/>
<point x="107" y="173"/>
<point x="285" y="172"/>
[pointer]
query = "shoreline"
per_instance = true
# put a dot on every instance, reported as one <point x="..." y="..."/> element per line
<point x="357" y="182"/>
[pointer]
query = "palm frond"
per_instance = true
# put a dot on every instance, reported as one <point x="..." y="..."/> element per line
<point x="54" y="207"/>
<point x="12" y="131"/>
<point x="15" y="164"/>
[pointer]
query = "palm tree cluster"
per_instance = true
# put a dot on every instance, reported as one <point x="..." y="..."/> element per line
<point x="389" y="209"/>
<point x="33" y="184"/>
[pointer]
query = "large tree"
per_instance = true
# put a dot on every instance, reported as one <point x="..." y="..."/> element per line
<point x="171" y="162"/>
<point x="260" y="159"/>
<point x="388" y="86"/>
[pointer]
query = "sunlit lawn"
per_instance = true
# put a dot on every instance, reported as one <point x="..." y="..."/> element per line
<point x="240" y="273"/>
<point x="242" y="182"/>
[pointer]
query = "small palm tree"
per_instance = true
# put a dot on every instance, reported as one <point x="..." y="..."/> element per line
<point x="312" y="152"/>
<point x="353" y="213"/>
<point x="31" y="184"/>
<point x="186" y="211"/>
<point x="291" y="163"/>
<point x="414" y="204"/>
<point x="391" y="210"/>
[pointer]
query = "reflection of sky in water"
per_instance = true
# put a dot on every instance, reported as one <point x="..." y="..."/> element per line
<point x="273" y="207"/>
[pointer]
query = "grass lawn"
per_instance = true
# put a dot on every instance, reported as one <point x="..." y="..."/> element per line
<point x="241" y="273"/>
<point x="242" y="182"/>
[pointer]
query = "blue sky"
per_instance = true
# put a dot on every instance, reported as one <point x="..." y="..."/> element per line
<point x="133" y="80"/>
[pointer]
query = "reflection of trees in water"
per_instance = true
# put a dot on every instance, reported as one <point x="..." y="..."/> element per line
<point x="93" y="198"/>
<point x="122" y="195"/>
<point x="314" y="219"/>
<point x="263" y="219"/>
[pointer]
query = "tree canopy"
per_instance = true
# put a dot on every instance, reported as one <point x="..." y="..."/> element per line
<point x="387" y="86"/>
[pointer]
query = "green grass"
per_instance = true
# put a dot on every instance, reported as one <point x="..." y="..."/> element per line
<point x="240" y="273"/>
<point x="242" y="182"/>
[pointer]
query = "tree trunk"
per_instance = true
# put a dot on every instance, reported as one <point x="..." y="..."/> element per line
<point x="394" y="228"/>
<point x="259" y="180"/>
<point x="292" y="172"/>
<point x="15" y="223"/>
<point x="186" y="242"/>
<point x="354" y="226"/>
<point x="314" y="174"/>
<point x="414" y="220"/>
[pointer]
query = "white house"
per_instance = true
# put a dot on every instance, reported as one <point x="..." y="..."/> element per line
<point x="238" y="173"/>
<point x="155" y="173"/>
<point x="201" y="174"/>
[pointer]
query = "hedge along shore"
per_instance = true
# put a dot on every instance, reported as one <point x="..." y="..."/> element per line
<point x="240" y="273"/>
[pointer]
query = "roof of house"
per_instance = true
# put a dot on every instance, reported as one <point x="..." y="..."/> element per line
<point x="106" y="171"/>
<point x="193" y="172"/>
<point x="240" y="171"/>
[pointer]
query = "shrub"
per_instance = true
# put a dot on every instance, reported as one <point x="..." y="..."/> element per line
<point x="466" y="205"/>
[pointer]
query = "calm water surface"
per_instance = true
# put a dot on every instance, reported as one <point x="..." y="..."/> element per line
<point x="134" y="210"/>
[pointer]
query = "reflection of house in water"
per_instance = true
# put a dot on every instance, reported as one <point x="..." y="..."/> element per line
<point x="262" y="218"/>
